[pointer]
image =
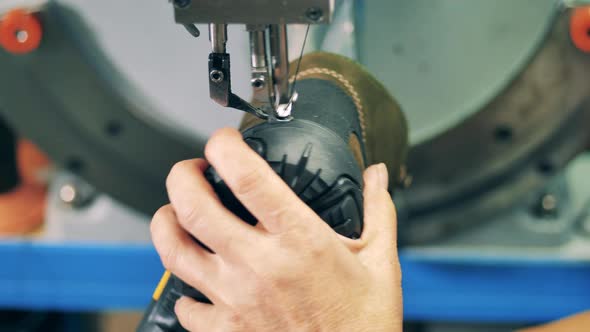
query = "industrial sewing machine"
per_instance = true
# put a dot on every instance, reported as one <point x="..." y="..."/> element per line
<point x="496" y="99"/>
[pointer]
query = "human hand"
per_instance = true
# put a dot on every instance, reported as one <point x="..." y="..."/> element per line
<point x="575" y="323"/>
<point x="291" y="272"/>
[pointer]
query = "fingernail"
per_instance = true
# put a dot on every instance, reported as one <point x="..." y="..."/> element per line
<point x="383" y="176"/>
<point x="372" y="177"/>
<point x="376" y="176"/>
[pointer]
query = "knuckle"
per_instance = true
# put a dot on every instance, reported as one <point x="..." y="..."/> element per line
<point x="284" y="214"/>
<point x="158" y="221"/>
<point x="185" y="316"/>
<point x="210" y="147"/>
<point x="225" y="244"/>
<point x="216" y="140"/>
<point x="249" y="183"/>
<point x="299" y="233"/>
<point x="163" y="213"/>
<point x="235" y="320"/>
<point x="275" y="280"/>
<point x="170" y="255"/>
<point x="283" y="278"/>
<point x="293" y="218"/>
<point x="387" y="202"/>
<point x="391" y="209"/>
<point x="192" y="218"/>
<point x="161" y="237"/>
<point x="318" y="247"/>
<point x="392" y="203"/>
<point x="278" y="272"/>
<point x="260" y="283"/>
<point x="176" y="172"/>
<point x="229" y="243"/>
<point x="293" y="240"/>
<point x="385" y="207"/>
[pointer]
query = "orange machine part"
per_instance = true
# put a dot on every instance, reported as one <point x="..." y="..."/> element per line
<point x="20" y="31"/>
<point x="31" y="163"/>
<point x="22" y="210"/>
<point x="580" y="28"/>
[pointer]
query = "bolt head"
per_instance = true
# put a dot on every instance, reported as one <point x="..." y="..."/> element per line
<point x="546" y="207"/>
<point x="68" y="193"/>
<point x="181" y="4"/>
<point x="77" y="194"/>
<point x="549" y="203"/>
<point x="216" y="76"/>
<point x="314" y="14"/>
<point x="258" y="83"/>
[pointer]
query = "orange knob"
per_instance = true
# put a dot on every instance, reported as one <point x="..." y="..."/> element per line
<point x="20" y="32"/>
<point x="580" y="28"/>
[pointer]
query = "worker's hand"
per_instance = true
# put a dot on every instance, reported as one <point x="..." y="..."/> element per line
<point x="575" y="323"/>
<point x="289" y="273"/>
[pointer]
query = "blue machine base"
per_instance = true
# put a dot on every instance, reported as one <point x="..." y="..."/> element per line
<point x="75" y="277"/>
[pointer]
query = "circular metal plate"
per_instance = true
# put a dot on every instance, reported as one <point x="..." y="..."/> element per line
<point x="444" y="60"/>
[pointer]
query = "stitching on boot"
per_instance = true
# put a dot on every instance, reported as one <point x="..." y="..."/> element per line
<point x="349" y="87"/>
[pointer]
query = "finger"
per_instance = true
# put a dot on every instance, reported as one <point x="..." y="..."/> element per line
<point x="255" y="184"/>
<point x="198" y="317"/>
<point x="201" y="213"/>
<point x="182" y="256"/>
<point x="354" y="245"/>
<point x="379" y="236"/>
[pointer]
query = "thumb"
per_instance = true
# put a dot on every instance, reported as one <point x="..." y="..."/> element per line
<point x="380" y="220"/>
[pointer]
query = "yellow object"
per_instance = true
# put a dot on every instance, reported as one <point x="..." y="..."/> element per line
<point x="161" y="286"/>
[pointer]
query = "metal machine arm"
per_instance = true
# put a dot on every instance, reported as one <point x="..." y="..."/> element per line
<point x="266" y="22"/>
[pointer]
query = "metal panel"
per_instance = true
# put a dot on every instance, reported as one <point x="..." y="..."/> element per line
<point x="68" y="98"/>
<point x="253" y="12"/>
<point x="444" y="60"/>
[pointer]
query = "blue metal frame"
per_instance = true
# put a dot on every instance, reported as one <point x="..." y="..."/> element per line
<point x="79" y="277"/>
